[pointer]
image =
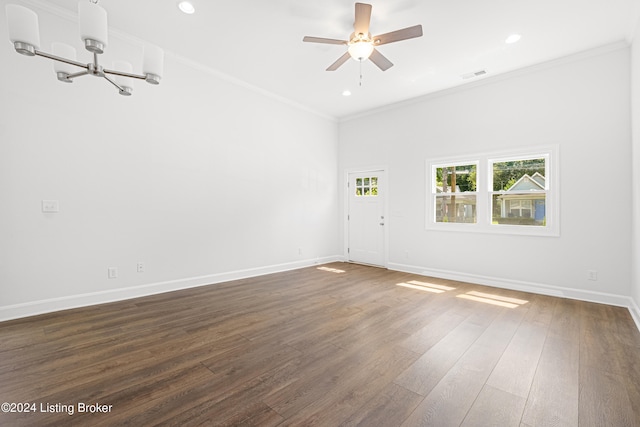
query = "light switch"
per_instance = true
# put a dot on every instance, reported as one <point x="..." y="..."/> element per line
<point x="50" y="206"/>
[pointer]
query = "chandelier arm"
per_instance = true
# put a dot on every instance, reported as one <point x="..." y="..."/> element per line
<point x="120" y="88"/>
<point x="80" y="74"/>
<point x="123" y="74"/>
<point x="61" y="59"/>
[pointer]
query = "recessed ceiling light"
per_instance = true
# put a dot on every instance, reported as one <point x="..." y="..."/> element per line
<point x="513" y="38"/>
<point x="186" y="7"/>
<point x="346" y="93"/>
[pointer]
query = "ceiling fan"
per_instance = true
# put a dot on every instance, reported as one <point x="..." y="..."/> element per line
<point x="362" y="45"/>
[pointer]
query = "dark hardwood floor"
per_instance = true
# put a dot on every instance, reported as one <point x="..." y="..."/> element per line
<point x="335" y="345"/>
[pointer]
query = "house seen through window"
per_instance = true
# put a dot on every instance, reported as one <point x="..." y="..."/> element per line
<point x="519" y="192"/>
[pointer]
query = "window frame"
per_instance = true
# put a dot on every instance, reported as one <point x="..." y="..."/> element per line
<point x="370" y="186"/>
<point x="484" y="192"/>
<point x="435" y="194"/>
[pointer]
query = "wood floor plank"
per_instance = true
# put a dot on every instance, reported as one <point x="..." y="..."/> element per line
<point x="423" y="375"/>
<point x="337" y="344"/>
<point x="515" y="371"/>
<point x="353" y="389"/>
<point x="241" y="402"/>
<point x="565" y="323"/>
<point x="434" y="331"/>
<point x="597" y="340"/>
<point x="554" y="396"/>
<point x="603" y="402"/>
<point x="450" y="400"/>
<point x="390" y="407"/>
<point x="495" y="408"/>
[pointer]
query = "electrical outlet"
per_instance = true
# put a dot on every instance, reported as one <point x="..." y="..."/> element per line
<point x="140" y="267"/>
<point x="592" y="275"/>
<point x="112" y="272"/>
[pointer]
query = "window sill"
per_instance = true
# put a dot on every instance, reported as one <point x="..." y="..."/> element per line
<point x="496" y="229"/>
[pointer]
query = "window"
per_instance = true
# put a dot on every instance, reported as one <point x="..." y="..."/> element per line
<point x="504" y="193"/>
<point x="454" y="193"/>
<point x="519" y="191"/>
<point x="367" y="186"/>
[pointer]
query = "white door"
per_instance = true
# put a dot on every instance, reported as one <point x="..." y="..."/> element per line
<point x="366" y="218"/>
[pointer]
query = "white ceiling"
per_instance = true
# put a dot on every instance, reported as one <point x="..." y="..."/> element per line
<point x="260" y="42"/>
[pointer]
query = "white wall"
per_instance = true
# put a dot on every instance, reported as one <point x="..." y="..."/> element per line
<point x="199" y="178"/>
<point x="635" y="121"/>
<point x="579" y="103"/>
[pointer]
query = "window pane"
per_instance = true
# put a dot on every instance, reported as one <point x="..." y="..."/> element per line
<point x="455" y="179"/>
<point x="366" y="187"/>
<point x="455" y="208"/>
<point x="519" y="175"/>
<point x="519" y="208"/>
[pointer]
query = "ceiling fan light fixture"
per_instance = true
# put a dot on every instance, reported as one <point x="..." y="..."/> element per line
<point x="361" y="45"/>
<point x="360" y="50"/>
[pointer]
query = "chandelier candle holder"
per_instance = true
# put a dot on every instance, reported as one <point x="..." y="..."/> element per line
<point x="24" y="33"/>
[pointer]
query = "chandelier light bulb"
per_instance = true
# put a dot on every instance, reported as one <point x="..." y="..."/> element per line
<point x="153" y="64"/>
<point x="93" y="26"/>
<point x="24" y="31"/>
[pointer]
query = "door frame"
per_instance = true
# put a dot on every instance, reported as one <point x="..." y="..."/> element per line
<point x="383" y="171"/>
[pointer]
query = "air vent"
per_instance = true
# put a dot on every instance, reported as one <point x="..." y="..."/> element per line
<point x="474" y="74"/>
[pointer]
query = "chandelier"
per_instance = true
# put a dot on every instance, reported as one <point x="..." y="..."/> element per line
<point x="24" y="33"/>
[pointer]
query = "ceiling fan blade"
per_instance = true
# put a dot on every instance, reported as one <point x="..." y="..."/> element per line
<point x="344" y="58"/>
<point x="363" y="18"/>
<point x="396" y="36"/>
<point x="380" y="60"/>
<point x="323" y="40"/>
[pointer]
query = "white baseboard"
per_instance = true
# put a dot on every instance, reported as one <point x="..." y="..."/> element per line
<point x="635" y="312"/>
<point x="74" y="301"/>
<point x="519" y="285"/>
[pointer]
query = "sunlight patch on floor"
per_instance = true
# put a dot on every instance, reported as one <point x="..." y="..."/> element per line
<point x="426" y="287"/>
<point x="493" y="299"/>
<point x="331" y="270"/>
<point x="431" y="285"/>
